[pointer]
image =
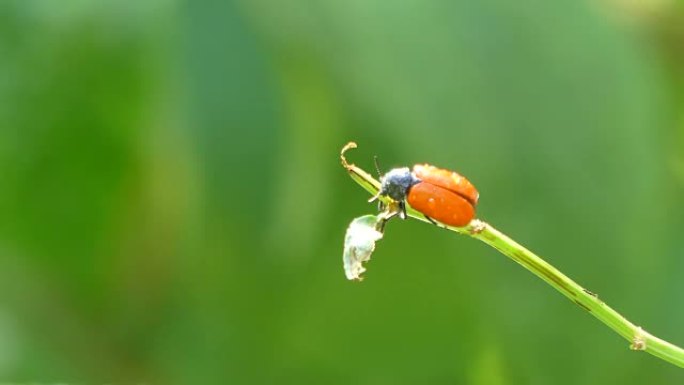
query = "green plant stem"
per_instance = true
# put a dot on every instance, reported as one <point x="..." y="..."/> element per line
<point x="639" y="339"/>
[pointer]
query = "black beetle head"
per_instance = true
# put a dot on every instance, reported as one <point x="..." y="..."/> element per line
<point x="396" y="183"/>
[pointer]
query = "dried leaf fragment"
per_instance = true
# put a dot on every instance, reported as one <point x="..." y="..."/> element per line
<point x="359" y="244"/>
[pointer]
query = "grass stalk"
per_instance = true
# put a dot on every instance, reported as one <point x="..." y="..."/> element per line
<point x="639" y="339"/>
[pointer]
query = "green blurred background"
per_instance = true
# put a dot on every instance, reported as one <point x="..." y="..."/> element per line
<point x="172" y="208"/>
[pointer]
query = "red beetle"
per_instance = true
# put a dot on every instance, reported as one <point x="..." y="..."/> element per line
<point x="437" y="193"/>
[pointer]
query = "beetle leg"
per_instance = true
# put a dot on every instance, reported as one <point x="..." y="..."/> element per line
<point x="381" y="206"/>
<point x="431" y="220"/>
<point x="389" y="214"/>
<point x="380" y="226"/>
<point x="402" y="210"/>
<point x="435" y="222"/>
<point x="388" y="211"/>
<point x="374" y="197"/>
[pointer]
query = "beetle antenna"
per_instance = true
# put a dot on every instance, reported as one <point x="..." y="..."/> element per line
<point x="377" y="166"/>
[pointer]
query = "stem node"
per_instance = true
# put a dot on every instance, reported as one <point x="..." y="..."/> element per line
<point x="477" y="226"/>
<point x="638" y="342"/>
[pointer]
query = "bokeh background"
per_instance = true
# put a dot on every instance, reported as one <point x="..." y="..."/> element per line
<point x="172" y="208"/>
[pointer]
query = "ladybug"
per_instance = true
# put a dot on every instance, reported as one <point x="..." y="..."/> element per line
<point x="439" y="194"/>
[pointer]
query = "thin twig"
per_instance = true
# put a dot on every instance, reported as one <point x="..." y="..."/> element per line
<point x="639" y="339"/>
